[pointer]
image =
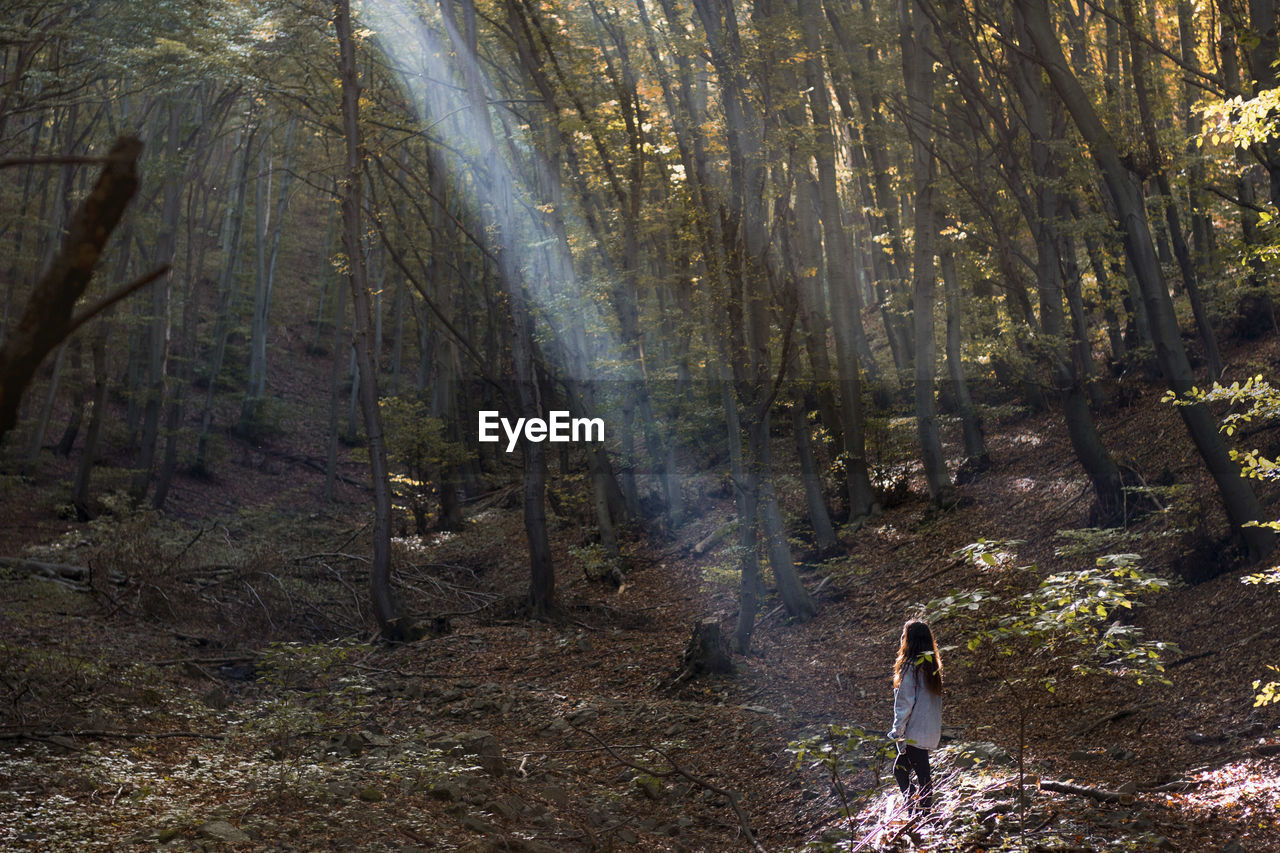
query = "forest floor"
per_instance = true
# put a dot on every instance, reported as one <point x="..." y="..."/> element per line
<point x="191" y="692"/>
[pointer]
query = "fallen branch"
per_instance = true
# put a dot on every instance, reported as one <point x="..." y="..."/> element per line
<point x="1257" y="635"/>
<point x="711" y="540"/>
<point x="1114" y="715"/>
<point x="677" y="770"/>
<point x="1189" y="658"/>
<point x="105" y="733"/>
<point x="1176" y="785"/>
<point x="948" y="567"/>
<point x="236" y="658"/>
<point x="817" y="589"/>
<point x="80" y="574"/>
<point x="397" y="672"/>
<point x="1099" y="794"/>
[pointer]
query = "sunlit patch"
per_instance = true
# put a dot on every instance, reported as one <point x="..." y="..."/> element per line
<point x="149" y="792"/>
<point x="409" y="544"/>
<point x="990" y="554"/>
<point x="1249" y="788"/>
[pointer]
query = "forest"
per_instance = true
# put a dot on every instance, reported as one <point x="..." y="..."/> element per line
<point x="527" y="425"/>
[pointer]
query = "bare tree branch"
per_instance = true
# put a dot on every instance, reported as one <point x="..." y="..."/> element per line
<point x="46" y="322"/>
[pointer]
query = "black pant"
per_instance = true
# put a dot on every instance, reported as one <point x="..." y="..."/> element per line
<point x="913" y="758"/>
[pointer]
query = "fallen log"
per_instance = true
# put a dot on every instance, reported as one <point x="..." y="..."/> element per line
<point x="79" y="574"/>
<point x="711" y="540"/>
<point x="1110" y="717"/>
<point x="1100" y="794"/>
<point x="104" y="733"/>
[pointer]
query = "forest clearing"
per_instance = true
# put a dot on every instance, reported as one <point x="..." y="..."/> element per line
<point x="527" y="425"/>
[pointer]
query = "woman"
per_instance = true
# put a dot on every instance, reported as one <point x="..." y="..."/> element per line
<point x="917" y="711"/>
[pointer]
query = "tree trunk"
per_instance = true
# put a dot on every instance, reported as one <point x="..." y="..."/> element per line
<point x="338" y="358"/>
<point x="917" y="69"/>
<point x="232" y="229"/>
<point x="1137" y="50"/>
<point x="97" y="414"/>
<point x="74" y="422"/>
<point x="1240" y="502"/>
<point x="824" y="535"/>
<point x="746" y="499"/>
<point x="975" y="450"/>
<point x="158" y="330"/>
<point x="393" y="623"/>
<point x="269" y="227"/>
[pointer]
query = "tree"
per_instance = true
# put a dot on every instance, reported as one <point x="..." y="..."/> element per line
<point x="393" y="623"/>
<point x="1125" y="193"/>
<point x="50" y="316"/>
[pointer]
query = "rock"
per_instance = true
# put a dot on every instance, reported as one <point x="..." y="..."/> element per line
<point x="447" y="791"/>
<point x="376" y="739"/>
<point x="502" y="808"/>
<point x="215" y="698"/>
<point x="626" y="836"/>
<point x="584" y="716"/>
<point x="1233" y="846"/>
<point x="484" y="746"/>
<point x="371" y="794"/>
<point x="649" y="786"/>
<point x="558" y="725"/>
<point x="477" y="824"/>
<point x="221" y="830"/>
<point x="62" y="744"/>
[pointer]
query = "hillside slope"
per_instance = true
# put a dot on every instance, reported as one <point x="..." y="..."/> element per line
<point x="144" y="706"/>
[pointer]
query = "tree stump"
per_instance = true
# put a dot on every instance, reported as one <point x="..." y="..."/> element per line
<point x="707" y="652"/>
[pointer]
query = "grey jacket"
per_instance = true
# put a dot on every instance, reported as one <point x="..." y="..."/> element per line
<point x="917" y="711"/>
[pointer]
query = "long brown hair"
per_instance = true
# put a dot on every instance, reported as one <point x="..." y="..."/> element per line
<point x="918" y="648"/>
